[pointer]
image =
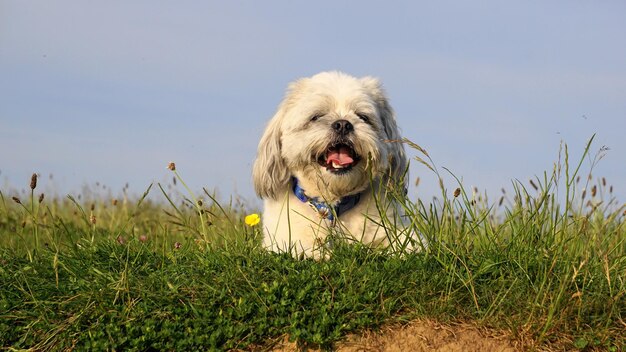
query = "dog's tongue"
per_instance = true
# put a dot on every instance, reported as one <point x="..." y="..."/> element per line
<point x="339" y="156"/>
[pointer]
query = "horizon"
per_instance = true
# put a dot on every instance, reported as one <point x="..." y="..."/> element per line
<point x="110" y="93"/>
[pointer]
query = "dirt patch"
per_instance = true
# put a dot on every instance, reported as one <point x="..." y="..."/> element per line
<point x="426" y="335"/>
<point x="422" y="335"/>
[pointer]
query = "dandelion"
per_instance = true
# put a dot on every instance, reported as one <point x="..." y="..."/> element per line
<point x="171" y="166"/>
<point x="252" y="219"/>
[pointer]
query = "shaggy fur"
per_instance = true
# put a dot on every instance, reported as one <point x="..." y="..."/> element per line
<point x="296" y="144"/>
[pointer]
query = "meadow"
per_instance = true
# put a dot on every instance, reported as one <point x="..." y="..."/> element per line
<point x="544" y="261"/>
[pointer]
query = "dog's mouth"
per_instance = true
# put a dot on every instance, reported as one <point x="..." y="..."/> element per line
<point x="339" y="158"/>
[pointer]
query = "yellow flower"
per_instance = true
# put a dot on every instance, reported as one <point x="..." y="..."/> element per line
<point x="252" y="219"/>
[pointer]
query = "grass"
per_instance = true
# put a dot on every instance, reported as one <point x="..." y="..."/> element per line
<point x="546" y="262"/>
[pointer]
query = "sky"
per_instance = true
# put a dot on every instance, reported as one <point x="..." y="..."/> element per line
<point x="111" y="91"/>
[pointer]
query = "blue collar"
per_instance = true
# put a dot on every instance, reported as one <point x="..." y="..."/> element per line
<point x="324" y="210"/>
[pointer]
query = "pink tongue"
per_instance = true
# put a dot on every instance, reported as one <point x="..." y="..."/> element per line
<point x="340" y="156"/>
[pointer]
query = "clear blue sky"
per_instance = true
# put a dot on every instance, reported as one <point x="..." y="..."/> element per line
<point x="111" y="91"/>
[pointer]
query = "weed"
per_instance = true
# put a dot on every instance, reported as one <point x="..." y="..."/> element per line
<point x="84" y="272"/>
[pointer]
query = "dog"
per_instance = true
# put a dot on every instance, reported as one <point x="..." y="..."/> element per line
<point x="325" y="163"/>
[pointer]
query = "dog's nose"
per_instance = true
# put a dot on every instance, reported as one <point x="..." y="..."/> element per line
<point x="342" y="127"/>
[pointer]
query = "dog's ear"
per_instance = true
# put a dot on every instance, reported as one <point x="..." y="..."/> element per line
<point x="270" y="172"/>
<point x="395" y="146"/>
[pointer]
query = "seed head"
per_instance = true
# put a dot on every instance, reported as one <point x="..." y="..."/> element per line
<point x="143" y="238"/>
<point x="594" y="190"/>
<point x="121" y="240"/>
<point x="33" y="181"/>
<point x="457" y="192"/>
<point x="114" y="202"/>
<point x="177" y="245"/>
<point x="93" y="206"/>
<point x="16" y="200"/>
<point x="92" y="219"/>
<point x="171" y="166"/>
<point x="41" y="198"/>
<point x="199" y="202"/>
<point x="532" y="183"/>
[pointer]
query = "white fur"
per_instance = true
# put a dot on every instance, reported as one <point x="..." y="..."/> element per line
<point x="291" y="144"/>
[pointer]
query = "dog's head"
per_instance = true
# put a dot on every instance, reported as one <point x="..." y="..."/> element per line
<point x="331" y="131"/>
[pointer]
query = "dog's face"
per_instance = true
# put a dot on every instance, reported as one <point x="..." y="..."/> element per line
<point x="332" y="131"/>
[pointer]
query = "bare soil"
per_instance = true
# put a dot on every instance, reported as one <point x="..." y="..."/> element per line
<point x="421" y="335"/>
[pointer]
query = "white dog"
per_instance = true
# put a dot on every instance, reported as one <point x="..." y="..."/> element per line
<point x="326" y="161"/>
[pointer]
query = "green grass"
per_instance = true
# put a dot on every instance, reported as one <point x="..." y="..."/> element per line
<point x="546" y="262"/>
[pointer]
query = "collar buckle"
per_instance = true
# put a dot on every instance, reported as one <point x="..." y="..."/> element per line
<point x="323" y="210"/>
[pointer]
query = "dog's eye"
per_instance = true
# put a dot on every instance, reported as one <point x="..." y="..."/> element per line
<point x="364" y="117"/>
<point x="316" y="117"/>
